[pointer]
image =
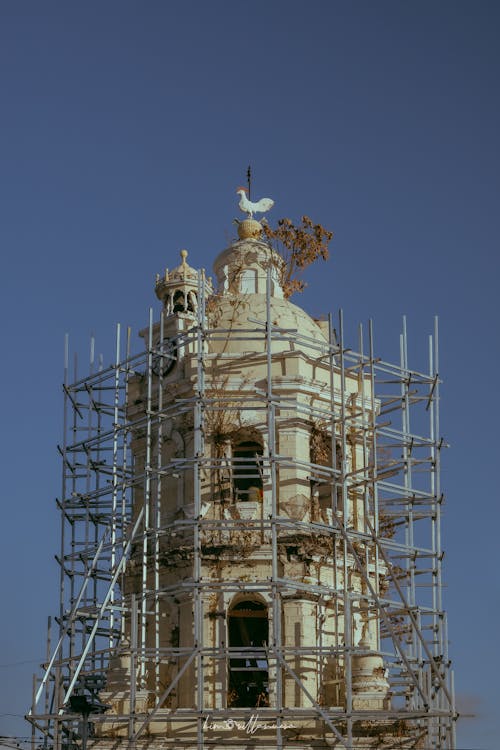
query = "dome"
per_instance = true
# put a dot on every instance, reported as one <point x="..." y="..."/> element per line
<point x="242" y="271"/>
<point x="183" y="271"/>
<point x="242" y="312"/>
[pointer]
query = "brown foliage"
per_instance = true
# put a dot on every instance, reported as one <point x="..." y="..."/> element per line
<point x="299" y="246"/>
<point x="320" y="444"/>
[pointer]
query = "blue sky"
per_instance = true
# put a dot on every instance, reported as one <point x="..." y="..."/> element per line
<point x="126" y="127"/>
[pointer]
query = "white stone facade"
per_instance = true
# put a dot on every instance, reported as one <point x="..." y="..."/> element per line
<point x="265" y="540"/>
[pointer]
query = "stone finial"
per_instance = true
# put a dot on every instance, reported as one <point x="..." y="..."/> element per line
<point x="249" y="229"/>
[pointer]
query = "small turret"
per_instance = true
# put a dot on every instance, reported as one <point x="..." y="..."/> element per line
<point x="178" y="289"/>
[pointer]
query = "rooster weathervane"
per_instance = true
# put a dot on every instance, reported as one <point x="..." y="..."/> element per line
<point x="247" y="206"/>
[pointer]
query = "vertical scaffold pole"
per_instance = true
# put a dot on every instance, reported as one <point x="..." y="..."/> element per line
<point x="133" y="667"/>
<point x="348" y="641"/>
<point x="114" y="482"/>
<point x="199" y="450"/>
<point x="62" y="577"/>
<point x="147" y="508"/>
<point x="373" y="469"/>
<point x="276" y="601"/>
<point x="125" y="520"/>
<point x="157" y="505"/>
<point x="335" y="444"/>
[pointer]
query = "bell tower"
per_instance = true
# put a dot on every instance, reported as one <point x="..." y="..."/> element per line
<point x="259" y="527"/>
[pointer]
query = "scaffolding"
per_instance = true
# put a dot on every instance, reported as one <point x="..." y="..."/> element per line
<point x="116" y="543"/>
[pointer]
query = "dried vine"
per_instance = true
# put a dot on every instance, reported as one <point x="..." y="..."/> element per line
<point x="298" y="246"/>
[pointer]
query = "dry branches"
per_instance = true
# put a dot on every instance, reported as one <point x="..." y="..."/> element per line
<point x="299" y="246"/>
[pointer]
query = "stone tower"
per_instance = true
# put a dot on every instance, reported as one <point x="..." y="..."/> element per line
<point x="259" y="593"/>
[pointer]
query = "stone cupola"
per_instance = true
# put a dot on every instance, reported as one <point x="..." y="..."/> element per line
<point x="178" y="289"/>
<point x="242" y="268"/>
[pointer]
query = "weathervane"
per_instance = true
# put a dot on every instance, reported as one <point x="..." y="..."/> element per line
<point x="246" y="205"/>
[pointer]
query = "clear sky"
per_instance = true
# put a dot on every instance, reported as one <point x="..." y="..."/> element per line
<point x="125" y="129"/>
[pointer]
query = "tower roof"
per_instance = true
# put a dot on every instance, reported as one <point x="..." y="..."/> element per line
<point x="180" y="281"/>
<point x="243" y="272"/>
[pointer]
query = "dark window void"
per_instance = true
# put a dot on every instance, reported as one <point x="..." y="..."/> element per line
<point x="179" y="304"/>
<point x="247" y="474"/>
<point x="248" y="670"/>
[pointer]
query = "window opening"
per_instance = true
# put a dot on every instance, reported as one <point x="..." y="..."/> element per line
<point x="179" y="305"/>
<point x="247" y="471"/>
<point x="248" y="282"/>
<point x="192" y="302"/>
<point x="248" y="671"/>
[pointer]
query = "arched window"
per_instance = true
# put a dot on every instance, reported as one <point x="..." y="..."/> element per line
<point x="248" y="632"/>
<point x="248" y="281"/>
<point x="247" y="471"/>
<point x="179" y="304"/>
<point x="192" y="302"/>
